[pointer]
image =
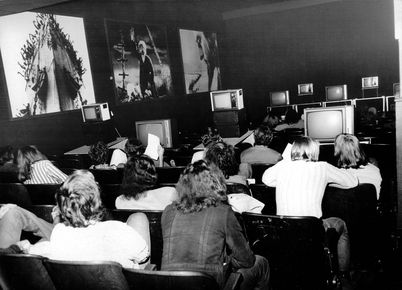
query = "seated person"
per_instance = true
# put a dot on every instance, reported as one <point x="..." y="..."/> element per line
<point x="34" y="168"/>
<point x="300" y="184"/>
<point x="8" y="169"/>
<point x="271" y="120"/>
<point x="201" y="233"/>
<point x="133" y="147"/>
<point x="139" y="187"/>
<point x="80" y="235"/>
<point x="99" y="154"/>
<point x="207" y="140"/>
<point x="261" y="153"/>
<point x="292" y="120"/>
<point x="350" y="155"/>
<point x="223" y="156"/>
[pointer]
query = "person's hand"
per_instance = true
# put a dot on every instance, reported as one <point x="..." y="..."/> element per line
<point x="24" y="245"/>
<point x="161" y="151"/>
<point x="132" y="34"/>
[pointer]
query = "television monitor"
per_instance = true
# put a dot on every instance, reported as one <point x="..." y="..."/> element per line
<point x="324" y="124"/>
<point x="305" y="89"/>
<point x="390" y="104"/>
<point x="95" y="112"/>
<point x="369" y="82"/>
<point x="165" y="129"/>
<point x="300" y="107"/>
<point x="336" y="93"/>
<point x="279" y="98"/>
<point x="338" y="103"/>
<point x="227" y="100"/>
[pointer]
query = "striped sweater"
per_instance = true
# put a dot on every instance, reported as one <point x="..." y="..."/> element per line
<point x="44" y="172"/>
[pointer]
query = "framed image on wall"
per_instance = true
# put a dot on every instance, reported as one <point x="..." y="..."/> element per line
<point x="140" y="61"/>
<point x="200" y="61"/>
<point x="46" y="63"/>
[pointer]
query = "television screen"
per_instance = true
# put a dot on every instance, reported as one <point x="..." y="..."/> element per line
<point x="165" y="129"/>
<point x="336" y="93"/>
<point x="227" y="100"/>
<point x="279" y="98"/>
<point x="325" y="124"/>
<point x="222" y="101"/>
<point x="305" y="89"/>
<point x="90" y="113"/>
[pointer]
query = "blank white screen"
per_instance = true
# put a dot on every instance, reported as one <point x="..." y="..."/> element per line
<point x="222" y="101"/>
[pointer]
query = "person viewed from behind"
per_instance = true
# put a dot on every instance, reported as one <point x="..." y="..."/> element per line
<point x="292" y="120"/>
<point x="271" y="120"/>
<point x="34" y="168"/>
<point x="261" y="153"/>
<point x="80" y="234"/>
<point x="133" y="147"/>
<point x="8" y="169"/>
<point x="201" y="233"/>
<point x="350" y="155"/>
<point x="99" y="154"/>
<point x="300" y="184"/>
<point x="211" y="137"/>
<point x="139" y="188"/>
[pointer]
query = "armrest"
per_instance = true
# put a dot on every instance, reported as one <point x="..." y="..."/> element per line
<point x="150" y="267"/>
<point x="233" y="281"/>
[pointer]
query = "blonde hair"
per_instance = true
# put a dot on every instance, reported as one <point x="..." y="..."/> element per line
<point x="26" y="156"/>
<point x="305" y="148"/>
<point x="348" y="151"/>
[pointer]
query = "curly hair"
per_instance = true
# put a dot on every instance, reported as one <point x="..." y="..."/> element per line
<point x="134" y="147"/>
<point x="79" y="200"/>
<point x="200" y="186"/>
<point x="98" y="153"/>
<point x="26" y="156"/>
<point x="348" y="151"/>
<point x="263" y="135"/>
<point x="223" y="156"/>
<point x="138" y="177"/>
<point x="305" y="148"/>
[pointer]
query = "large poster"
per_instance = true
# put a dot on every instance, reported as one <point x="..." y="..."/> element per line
<point x="46" y="63"/>
<point x="200" y="61"/>
<point x="140" y="61"/>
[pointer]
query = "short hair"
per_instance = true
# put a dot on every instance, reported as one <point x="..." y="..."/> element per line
<point x="26" y="156"/>
<point x="263" y="135"/>
<point x="98" y="153"/>
<point x="223" y="156"/>
<point x="291" y="116"/>
<point x="139" y="176"/>
<point x="201" y="185"/>
<point x="134" y="147"/>
<point x="305" y="148"/>
<point x="79" y="200"/>
<point x="211" y="138"/>
<point x="348" y="151"/>
<point x="6" y="154"/>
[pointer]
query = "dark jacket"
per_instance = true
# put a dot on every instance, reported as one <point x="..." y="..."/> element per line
<point x="204" y="241"/>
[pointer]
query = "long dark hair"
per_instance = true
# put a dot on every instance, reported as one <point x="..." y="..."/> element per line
<point x="223" y="156"/>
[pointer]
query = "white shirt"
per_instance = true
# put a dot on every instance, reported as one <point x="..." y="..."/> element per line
<point x="300" y="185"/>
<point x="118" y="157"/>
<point x="369" y="174"/>
<point x="44" y="172"/>
<point x="103" y="241"/>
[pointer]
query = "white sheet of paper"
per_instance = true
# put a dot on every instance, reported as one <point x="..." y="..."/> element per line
<point x="287" y="152"/>
<point x="152" y="148"/>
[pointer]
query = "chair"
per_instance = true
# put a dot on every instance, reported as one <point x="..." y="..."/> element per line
<point x="92" y="275"/>
<point x="9" y="177"/>
<point x="109" y="193"/>
<point x="108" y="176"/>
<point x="43" y="211"/>
<point x="15" y="193"/>
<point x="258" y="170"/>
<point x="155" y="228"/>
<point x="176" y="280"/>
<point x="169" y="174"/>
<point x="295" y="248"/>
<point x="20" y="271"/>
<point x="266" y="195"/>
<point x="42" y="193"/>
<point x="237" y="188"/>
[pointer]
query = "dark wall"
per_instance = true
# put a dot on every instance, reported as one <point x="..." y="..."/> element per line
<point x="328" y="44"/>
<point x="59" y="132"/>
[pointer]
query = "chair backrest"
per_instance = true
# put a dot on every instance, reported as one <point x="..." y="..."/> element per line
<point x="109" y="193"/>
<point x="155" y="228"/>
<point x="20" y="271"/>
<point x="15" y="193"/>
<point x="92" y="275"/>
<point x="169" y="280"/>
<point x="237" y="188"/>
<point x="169" y="174"/>
<point x="8" y="177"/>
<point x="258" y="171"/>
<point x="266" y="195"/>
<point x="108" y="176"/>
<point x="42" y="193"/>
<point x="294" y="247"/>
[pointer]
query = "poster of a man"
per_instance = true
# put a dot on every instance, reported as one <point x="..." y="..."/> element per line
<point x="140" y="61"/>
<point x="200" y="61"/>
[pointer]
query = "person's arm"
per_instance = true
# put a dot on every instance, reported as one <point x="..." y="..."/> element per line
<point x="56" y="173"/>
<point x="270" y="176"/>
<point x="340" y="178"/>
<point x="241" y="254"/>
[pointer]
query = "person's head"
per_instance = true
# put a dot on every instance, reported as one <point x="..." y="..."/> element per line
<point x="133" y="147"/>
<point x="223" y="156"/>
<point x="291" y="116"/>
<point x="272" y="120"/>
<point x="200" y="186"/>
<point x="211" y="138"/>
<point x="138" y="177"/>
<point x="25" y="157"/>
<point x="98" y="153"/>
<point x="79" y="200"/>
<point x="263" y="135"/>
<point x="305" y="148"/>
<point x="348" y="152"/>
<point x="6" y="154"/>
<point x="142" y="47"/>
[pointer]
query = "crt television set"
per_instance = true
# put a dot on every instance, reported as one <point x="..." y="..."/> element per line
<point x="305" y="89"/>
<point x="279" y="98"/>
<point x="324" y="124"/>
<point x="95" y="112"/>
<point x="165" y="129"/>
<point x="227" y="100"/>
<point x="336" y="93"/>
